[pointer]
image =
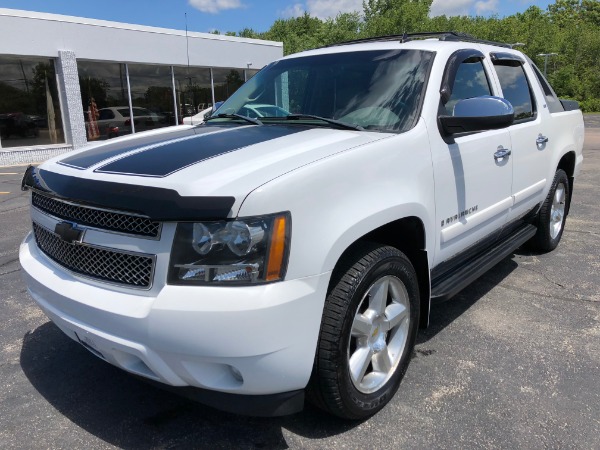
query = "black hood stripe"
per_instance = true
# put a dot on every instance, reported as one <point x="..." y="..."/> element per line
<point x="110" y="149"/>
<point x="158" y="204"/>
<point x="163" y="160"/>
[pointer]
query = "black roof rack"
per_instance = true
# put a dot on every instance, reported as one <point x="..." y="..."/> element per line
<point x="407" y="37"/>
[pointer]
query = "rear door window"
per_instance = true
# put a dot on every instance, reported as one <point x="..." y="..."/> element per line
<point x="516" y="88"/>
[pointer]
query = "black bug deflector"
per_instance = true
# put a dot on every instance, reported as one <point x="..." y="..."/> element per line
<point x="156" y="203"/>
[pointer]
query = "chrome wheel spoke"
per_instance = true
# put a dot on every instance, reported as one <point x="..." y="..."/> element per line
<point x="378" y="295"/>
<point x="378" y="334"/>
<point x="557" y="211"/>
<point x="359" y="363"/>
<point x="397" y="339"/>
<point x="361" y="326"/>
<point x="394" y="315"/>
<point x="382" y="361"/>
<point x="559" y="195"/>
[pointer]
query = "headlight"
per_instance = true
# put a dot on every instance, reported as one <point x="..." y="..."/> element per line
<point x="249" y="250"/>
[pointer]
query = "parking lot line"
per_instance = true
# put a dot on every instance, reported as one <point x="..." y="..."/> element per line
<point x="9" y="173"/>
<point x="4" y="193"/>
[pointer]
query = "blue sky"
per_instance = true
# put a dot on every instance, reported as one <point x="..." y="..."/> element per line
<point x="235" y="15"/>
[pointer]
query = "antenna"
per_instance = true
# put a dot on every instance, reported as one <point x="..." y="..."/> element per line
<point x="189" y="77"/>
<point x="187" y="46"/>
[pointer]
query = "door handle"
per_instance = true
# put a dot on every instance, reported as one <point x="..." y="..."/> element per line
<point x="501" y="153"/>
<point x="541" y="139"/>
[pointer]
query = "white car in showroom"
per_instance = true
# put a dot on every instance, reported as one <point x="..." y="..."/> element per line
<point x="115" y="121"/>
<point x="198" y="119"/>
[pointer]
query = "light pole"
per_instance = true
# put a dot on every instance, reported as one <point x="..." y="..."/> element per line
<point x="546" y="56"/>
<point x="517" y="44"/>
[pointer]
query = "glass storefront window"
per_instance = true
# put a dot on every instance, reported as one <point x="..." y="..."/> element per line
<point x="250" y="73"/>
<point x="193" y="90"/>
<point x="226" y="82"/>
<point x="151" y="96"/>
<point x="29" y="104"/>
<point x="104" y="96"/>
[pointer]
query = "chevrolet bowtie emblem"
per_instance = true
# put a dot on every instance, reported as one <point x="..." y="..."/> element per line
<point x="69" y="232"/>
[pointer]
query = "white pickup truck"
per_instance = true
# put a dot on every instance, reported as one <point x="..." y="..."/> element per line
<point x="294" y="243"/>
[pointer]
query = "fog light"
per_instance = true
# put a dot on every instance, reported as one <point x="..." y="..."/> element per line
<point x="233" y="272"/>
<point x="236" y="273"/>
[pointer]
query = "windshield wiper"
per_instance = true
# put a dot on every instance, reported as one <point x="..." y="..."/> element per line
<point x="234" y="116"/>
<point x="347" y="126"/>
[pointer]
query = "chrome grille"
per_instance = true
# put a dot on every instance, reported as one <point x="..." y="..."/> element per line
<point x="95" y="262"/>
<point x="97" y="218"/>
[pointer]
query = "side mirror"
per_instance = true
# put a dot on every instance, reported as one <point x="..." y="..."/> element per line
<point x="478" y="114"/>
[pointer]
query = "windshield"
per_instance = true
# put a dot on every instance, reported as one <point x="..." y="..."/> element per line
<point x="376" y="90"/>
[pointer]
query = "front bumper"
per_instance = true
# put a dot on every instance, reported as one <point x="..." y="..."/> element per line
<point x="257" y="340"/>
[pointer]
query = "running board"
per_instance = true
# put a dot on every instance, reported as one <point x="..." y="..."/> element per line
<point x="450" y="284"/>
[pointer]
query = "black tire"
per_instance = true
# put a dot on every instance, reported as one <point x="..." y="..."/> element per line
<point x="549" y="228"/>
<point x="332" y="387"/>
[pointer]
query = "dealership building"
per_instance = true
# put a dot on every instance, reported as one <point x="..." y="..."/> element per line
<point x="68" y="81"/>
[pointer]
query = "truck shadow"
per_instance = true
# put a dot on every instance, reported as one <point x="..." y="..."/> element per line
<point x="126" y="412"/>
<point x="129" y="413"/>
<point x="444" y="313"/>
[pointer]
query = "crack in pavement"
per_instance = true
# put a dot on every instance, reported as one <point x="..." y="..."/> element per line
<point x="546" y="277"/>
<point x="539" y="294"/>
<point x="9" y="272"/>
<point x="19" y="208"/>
<point x="591" y="233"/>
<point x="10" y="261"/>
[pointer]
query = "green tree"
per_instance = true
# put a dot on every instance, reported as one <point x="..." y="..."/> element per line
<point x="383" y="17"/>
<point x="570" y="28"/>
<point x="297" y="34"/>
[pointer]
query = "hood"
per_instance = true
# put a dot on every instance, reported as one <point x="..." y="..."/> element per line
<point x="189" y="172"/>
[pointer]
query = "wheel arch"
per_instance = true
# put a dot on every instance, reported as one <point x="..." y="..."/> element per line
<point x="407" y="235"/>
<point x="567" y="163"/>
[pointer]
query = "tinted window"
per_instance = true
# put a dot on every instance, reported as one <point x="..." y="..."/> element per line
<point x="137" y="112"/>
<point x="102" y="85"/>
<point x="152" y="91"/>
<point x="106" y="114"/>
<point x="193" y="90"/>
<point x="515" y="89"/>
<point x="471" y="81"/>
<point x="226" y="81"/>
<point x="29" y="102"/>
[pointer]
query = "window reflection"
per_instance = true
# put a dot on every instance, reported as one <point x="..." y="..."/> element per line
<point x="103" y="91"/>
<point x="151" y="97"/>
<point x="193" y="90"/>
<point x="250" y="73"/>
<point x="377" y="90"/>
<point x="227" y="81"/>
<point x="471" y="81"/>
<point x="29" y="104"/>
<point x="515" y="89"/>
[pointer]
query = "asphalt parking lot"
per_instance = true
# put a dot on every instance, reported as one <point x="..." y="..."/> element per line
<point x="512" y="362"/>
